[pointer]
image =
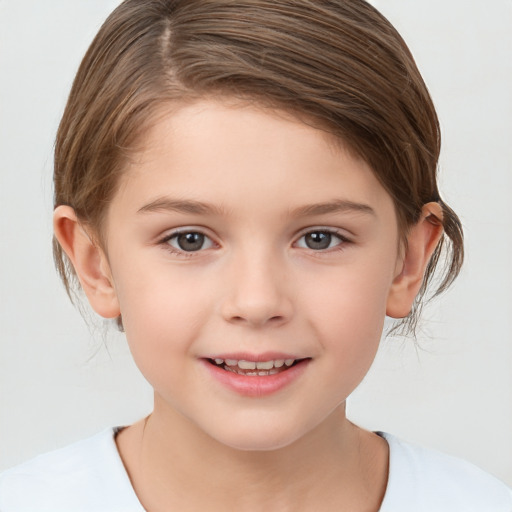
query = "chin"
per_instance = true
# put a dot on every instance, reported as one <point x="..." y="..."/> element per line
<point x="258" y="438"/>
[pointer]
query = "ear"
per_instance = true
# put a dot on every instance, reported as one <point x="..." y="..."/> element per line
<point x="421" y="243"/>
<point x="89" y="261"/>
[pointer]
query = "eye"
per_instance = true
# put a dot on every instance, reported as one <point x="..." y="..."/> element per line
<point x="320" y="240"/>
<point x="189" y="241"/>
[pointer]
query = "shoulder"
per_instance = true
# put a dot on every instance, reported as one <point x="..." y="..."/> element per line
<point x="86" y="476"/>
<point x="425" y="480"/>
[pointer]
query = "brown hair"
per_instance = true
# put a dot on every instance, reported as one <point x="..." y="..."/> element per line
<point x="337" y="63"/>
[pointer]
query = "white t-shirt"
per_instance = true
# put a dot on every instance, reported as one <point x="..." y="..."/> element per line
<point x="89" y="476"/>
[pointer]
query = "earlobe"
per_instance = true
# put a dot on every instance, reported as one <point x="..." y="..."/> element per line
<point x="89" y="261"/>
<point x="422" y="240"/>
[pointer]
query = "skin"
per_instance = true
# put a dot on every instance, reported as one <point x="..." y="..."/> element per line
<point x="255" y="286"/>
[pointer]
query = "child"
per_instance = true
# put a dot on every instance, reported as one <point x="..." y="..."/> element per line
<point x="248" y="188"/>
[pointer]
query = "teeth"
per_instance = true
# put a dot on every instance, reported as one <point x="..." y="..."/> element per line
<point x="247" y="365"/>
<point x="265" y="367"/>
<point x="260" y="373"/>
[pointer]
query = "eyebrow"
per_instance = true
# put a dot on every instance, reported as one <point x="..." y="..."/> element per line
<point x="164" y="204"/>
<point x="335" y="206"/>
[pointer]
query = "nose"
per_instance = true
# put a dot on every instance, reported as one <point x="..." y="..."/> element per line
<point x="257" y="292"/>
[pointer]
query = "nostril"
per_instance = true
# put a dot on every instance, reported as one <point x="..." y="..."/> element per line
<point x="255" y="320"/>
<point x="256" y="308"/>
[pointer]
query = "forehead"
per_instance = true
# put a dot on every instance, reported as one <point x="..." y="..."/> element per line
<point x="235" y="149"/>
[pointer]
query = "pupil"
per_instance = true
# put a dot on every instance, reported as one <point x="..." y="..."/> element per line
<point x="191" y="241"/>
<point x="318" y="240"/>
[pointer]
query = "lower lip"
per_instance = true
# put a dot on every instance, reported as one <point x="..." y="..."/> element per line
<point x="257" y="385"/>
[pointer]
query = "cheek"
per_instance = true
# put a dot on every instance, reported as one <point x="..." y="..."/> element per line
<point x="162" y="313"/>
<point x="349" y="312"/>
<point x="346" y="317"/>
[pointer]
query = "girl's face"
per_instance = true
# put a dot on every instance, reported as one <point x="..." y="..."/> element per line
<point x="240" y="234"/>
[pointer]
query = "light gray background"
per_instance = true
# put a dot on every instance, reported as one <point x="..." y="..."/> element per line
<point x="60" y="381"/>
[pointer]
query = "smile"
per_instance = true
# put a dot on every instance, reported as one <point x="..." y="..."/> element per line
<point x="254" y="375"/>
<point x="254" y="368"/>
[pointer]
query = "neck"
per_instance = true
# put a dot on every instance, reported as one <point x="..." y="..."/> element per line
<point x="173" y="464"/>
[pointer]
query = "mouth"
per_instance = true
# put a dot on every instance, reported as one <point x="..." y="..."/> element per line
<point x="255" y="368"/>
<point x="256" y="376"/>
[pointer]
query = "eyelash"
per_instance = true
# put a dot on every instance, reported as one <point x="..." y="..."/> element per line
<point x="180" y="252"/>
<point x="341" y="245"/>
